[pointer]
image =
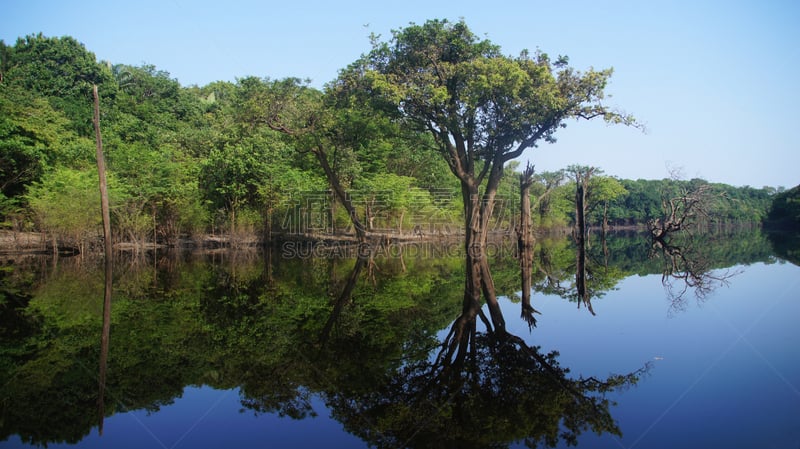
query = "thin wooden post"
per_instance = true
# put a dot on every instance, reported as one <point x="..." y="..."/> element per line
<point x="104" y="338"/>
<point x="101" y="170"/>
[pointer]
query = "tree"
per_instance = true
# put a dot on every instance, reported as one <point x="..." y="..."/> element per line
<point x="525" y="243"/>
<point x="602" y="191"/>
<point x="583" y="175"/>
<point x="301" y="113"/>
<point x="482" y="109"/>
<point x="684" y="207"/>
<point x="231" y="178"/>
<point x="550" y="207"/>
<point x="390" y="197"/>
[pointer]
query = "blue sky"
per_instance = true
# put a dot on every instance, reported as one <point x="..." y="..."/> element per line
<point x="717" y="83"/>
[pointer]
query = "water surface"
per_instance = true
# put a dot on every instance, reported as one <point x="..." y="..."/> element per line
<point x="263" y="350"/>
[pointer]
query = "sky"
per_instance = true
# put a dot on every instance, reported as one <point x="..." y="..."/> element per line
<point x="716" y="83"/>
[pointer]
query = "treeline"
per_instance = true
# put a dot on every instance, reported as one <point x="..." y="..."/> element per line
<point x="785" y="209"/>
<point x="187" y="161"/>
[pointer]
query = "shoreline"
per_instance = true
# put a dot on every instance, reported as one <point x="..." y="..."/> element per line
<point x="17" y="242"/>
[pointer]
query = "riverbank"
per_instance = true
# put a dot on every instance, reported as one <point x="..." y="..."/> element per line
<point x="12" y="242"/>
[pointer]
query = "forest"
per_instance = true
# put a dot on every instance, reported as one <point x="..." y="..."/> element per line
<point x="258" y="159"/>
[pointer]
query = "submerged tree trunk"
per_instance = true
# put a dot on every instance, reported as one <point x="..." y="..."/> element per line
<point x="580" y="278"/>
<point x="580" y="215"/>
<point x="477" y="215"/>
<point x="525" y="245"/>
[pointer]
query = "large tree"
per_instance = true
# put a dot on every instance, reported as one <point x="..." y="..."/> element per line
<point x="483" y="109"/>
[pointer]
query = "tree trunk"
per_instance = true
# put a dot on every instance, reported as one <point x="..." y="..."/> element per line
<point x="400" y="222"/>
<point x="580" y="215"/>
<point x="340" y="193"/>
<point x="233" y="236"/>
<point x="368" y="216"/>
<point x="477" y="214"/>
<point x="155" y="225"/>
<point x="474" y="249"/>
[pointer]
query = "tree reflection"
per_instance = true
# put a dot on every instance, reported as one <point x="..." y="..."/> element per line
<point x="687" y="268"/>
<point x="575" y="273"/>
<point x="399" y="360"/>
<point x="481" y="388"/>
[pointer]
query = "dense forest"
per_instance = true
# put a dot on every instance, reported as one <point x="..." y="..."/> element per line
<point x="192" y="161"/>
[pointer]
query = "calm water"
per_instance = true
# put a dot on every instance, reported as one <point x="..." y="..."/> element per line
<point x="263" y="350"/>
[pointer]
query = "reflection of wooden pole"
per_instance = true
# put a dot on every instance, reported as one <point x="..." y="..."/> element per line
<point x="104" y="339"/>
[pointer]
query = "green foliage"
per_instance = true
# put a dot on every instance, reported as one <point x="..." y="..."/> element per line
<point x="391" y="201"/>
<point x="60" y="70"/>
<point x="66" y="203"/>
<point x="33" y="138"/>
<point x="476" y="103"/>
<point x="785" y="209"/>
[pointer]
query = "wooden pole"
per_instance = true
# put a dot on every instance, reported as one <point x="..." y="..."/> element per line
<point x="104" y="338"/>
<point x="101" y="169"/>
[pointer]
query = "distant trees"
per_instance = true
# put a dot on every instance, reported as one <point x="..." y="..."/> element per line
<point x="785" y="209"/>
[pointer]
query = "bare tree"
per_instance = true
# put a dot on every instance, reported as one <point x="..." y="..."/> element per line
<point x="525" y="244"/>
<point x="683" y="209"/>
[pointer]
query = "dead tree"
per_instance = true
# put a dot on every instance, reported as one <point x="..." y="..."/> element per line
<point x="682" y="212"/>
<point x="582" y="175"/>
<point x="525" y="244"/>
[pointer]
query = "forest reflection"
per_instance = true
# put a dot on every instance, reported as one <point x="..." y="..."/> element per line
<point x="386" y="342"/>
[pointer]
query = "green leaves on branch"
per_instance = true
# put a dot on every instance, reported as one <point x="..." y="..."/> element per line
<point x="477" y="103"/>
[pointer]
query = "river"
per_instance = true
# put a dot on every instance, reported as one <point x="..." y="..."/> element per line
<point x="695" y="346"/>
